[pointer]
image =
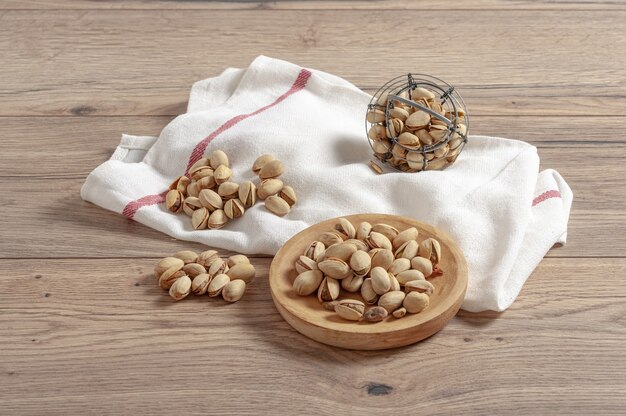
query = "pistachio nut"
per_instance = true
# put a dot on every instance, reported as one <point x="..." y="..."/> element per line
<point x="168" y="278"/>
<point x="308" y="282"/>
<point x="387" y="230"/>
<point x="207" y="182"/>
<point x="335" y="268"/>
<point x="330" y="306"/>
<point x="399" y="265"/>
<point x="399" y="152"/>
<point x="381" y="146"/>
<point x="237" y="259"/>
<point x="328" y="290"/>
<point x="395" y="127"/>
<point x="363" y="230"/>
<point x="168" y="263"/>
<point x="360" y="263"/>
<point x="217" y="284"/>
<point x="407" y="250"/>
<point x="199" y="218"/>
<point x="180" y="288"/>
<point x="352" y="283"/>
<point x="218" y="158"/>
<point x="218" y="219"/>
<point x="201" y="162"/>
<point x="343" y="251"/>
<point x="409" y="140"/>
<point x="422" y="286"/>
<point x="243" y="271"/>
<point x="272" y="169"/>
<point x="376" y="116"/>
<point x="207" y="257"/>
<point x="367" y="292"/>
<point x="228" y="190"/>
<point x="222" y="174"/>
<point x="378" y="240"/>
<point x="350" y="309"/>
<point x="380" y="280"/>
<point x="180" y="184"/>
<point x="233" y="208"/>
<point x="269" y="187"/>
<point x="193" y="269"/>
<point x="391" y="300"/>
<point x="200" y="284"/>
<point x="210" y="200"/>
<point x="345" y="229"/>
<point x="425" y="137"/>
<point x="289" y="195"/>
<point x="191" y="204"/>
<point x="304" y="263"/>
<point x="260" y="162"/>
<point x="174" y="200"/>
<point x="399" y="113"/>
<point x="193" y="190"/>
<point x="360" y="245"/>
<point x="218" y="266"/>
<point x="381" y="257"/>
<point x="409" y="275"/>
<point x="377" y="132"/>
<point x="404" y="236"/>
<point x="395" y="285"/>
<point x="376" y="168"/>
<point x="329" y="238"/>
<point x="423" y="265"/>
<point x="431" y="250"/>
<point x="415" y="161"/>
<point x="399" y="313"/>
<point x="375" y="314"/>
<point x="247" y="194"/>
<point x="315" y="250"/>
<point x="420" y="92"/>
<point x="277" y="205"/>
<point x="234" y="290"/>
<point x="200" y="172"/>
<point x="415" y="302"/>
<point x="419" y="119"/>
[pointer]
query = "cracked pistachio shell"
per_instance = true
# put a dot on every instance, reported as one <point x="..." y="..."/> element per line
<point x="399" y="313"/>
<point x="201" y="162"/>
<point x="378" y="240"/>
<point x="352" y="283"/>
<point x="207" y="257"/>
<point x="415" y="161"/>
<point x="217" y="285"/>
<point x="289" y="195"/>
<point x="367" y="292"/>
<point x="335" y="268"/>
<point x="194" y="269"/>
<point x="350" y="309"/>
<point x="200" y="172"/>
<point x="376" y="116"/>
<point x="328" y="290"/>
<point x="234" y="290"/>
<point x="399" y="113"/>
<point x="315" y="250"/>
<point x="247" y="193"/>
<point x="210" y="200"/>
<point x="404" y="236"/>
<point x="409" y="276"/>
<point x="272" y="169"/>
<point x="269" y="187"/>
<point x="408" y="139"/>
<point x="304" y="264"/>
<point x="199" y="218"/>
<point x="387" y="230"/>
<point x="395" y="285"/>
<point x="218" y="266"/>
<point x="169" y="276"/>
<point x="381" y="257"/>
<point x="174" y="200"/>
<point x="191" y="204"/>
<point x="237" y="259"/>
<point x="228" y="190"/>
<point x="260" y="162"/>
<point x="166" y="264"/>
<point x="415" y="302"/>
<point x="423" y="265"/>
<point x="180" y="184"/>
<point x="422" y="286"/>
<point x="218" y="158"/>
<point x="391" y="300"/>
<point x="233" y="208"/>
<point x="329" y="238"/>
<point x="307" y="282"/>
<point x="218" y="219"/>
<point x="193" y="190"/>
<point x="363" y="230"/>
<point x="431" y="250"/>
<point x="380" y="280"/>
<point x="381" y="146"/>
<point x="345" y="229"/>
<point x="222" y="174"/>
<point x="200" y="284"/>
<point x="399" y="265"/>
<point x="277" y="205"/>
<point x="360" y="245"/>
<point x="395" y="127"/>
<point x="375" y="314"/>
<point x="407" y="250"/>
<point x="243" y="271"/>
<point x="377" y="132"/>
<point x="418" y="119"/>
<point x="420" y="92"/>
<point x="180" y="288"/>
<point x="361" y="263"/>
<point x="208" y="182"/>
<point x="425" y="137"/>
<point x="341" y="251"/>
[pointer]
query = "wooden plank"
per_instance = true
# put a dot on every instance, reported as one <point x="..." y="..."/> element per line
<point x="99" y="335"/>
<point x="507" y="63"/>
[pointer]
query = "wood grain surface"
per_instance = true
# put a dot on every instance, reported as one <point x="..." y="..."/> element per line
<point x="84" y="327"/>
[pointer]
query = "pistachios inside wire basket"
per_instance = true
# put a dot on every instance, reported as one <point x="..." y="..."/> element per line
<point x="417" y="122"/>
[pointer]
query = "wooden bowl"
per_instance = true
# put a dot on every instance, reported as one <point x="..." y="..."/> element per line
<point x="308" y="317"/>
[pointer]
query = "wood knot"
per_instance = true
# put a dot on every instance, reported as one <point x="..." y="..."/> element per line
<point x="376" y="389"/>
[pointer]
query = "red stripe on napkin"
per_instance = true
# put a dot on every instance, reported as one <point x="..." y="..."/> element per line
<point x="546" y="195"/>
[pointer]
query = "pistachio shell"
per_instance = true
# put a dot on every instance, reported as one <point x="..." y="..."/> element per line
<point x="200" y="172"/>
<point x="169" y="276"/>
<point x="193" y="190"/>
<point x="222" y="174"/>
<point x="289" y="195"/>
<point x="381" y="257"/>
<point x="408" y="139"/>
<point x="304" y="264"/>
<point x="218" y="158"/>
<point x="191" y="204"/>
<point x="399" y="152"/>
<point x="399" y="313"/>
<point x="329" y="238"/>
<point x="277" y="205"/>
<point x="343" y="251"/>
<point x="367" y="292"/>
<point x="415" y="302"/>
<point x="328" y="290"/>
<point x="420" y="92"/>
<point x="180" y="184"/>
<point x="234" y="290"/>
<point x="193" y="269"/>
<point x="350" y="309"/>
<point x="210" y="200"/>
<point x="387" y="230"/>
<point x="407" y="250"/>
<point x="360" y="263"/>
<point x="237" y="259"/>
<point x="315" y="250"/>
<point x="380" y="280"/>
<point x="335" y="268"/>
<point x="260" y="162"/>
<point x="352" y="283"/>
<point x="228" y="190"/>
<point x="377" y="240"/>
<point x="272" y="169"/>
<point x="201" y="162"/>
<point x="208" y="182"/>
<point x="422" y="286"/>
<point x="207" y="257"/>
<point x="200" y="284"/>
<point x="180" y="288"/>
<point x="199" y="218"/>
<point x="345" y="229"/>
<point x="360" y="245"/>
<point x="404" y="236"/>
<point x="166" y="264"/>
<point x="247" y="193"/>
<point x="243" y="271"/>
<point x="399" y="113"/>
<point x="431" y="250"/>
<point x="409" y="276"/>
<point x="395" y="285"/>
<point x="217" y="284"/>
<point x="233" y="208"/>
<point x="415" y="161"/>
<point x="399" y="265"/>
<point x="376" y="116"/>
<point x="375" y="314"/>
<point x="218" y="219"/>
<point x="269" y="187"/>
<point x="423" y="265"/>
<point x="425" y="137"/>
<point x="174" y="200"/>
<point x="395" y="127"/>
<point x="363" y="230"/>
<point x="391" y="300"/>
<point x="218" y="266"/>
<point x="381" y="146"/>
<point x="307" y="282"/>
<point x="377" y="132"/>
<point x="418" y="119"/>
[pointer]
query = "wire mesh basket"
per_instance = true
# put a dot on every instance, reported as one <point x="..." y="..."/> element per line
<point x="417" y="122"/>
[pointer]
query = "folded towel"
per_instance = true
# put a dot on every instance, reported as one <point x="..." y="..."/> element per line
<point x="504" y="214"/>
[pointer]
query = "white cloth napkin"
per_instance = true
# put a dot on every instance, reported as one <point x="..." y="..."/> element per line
<point x="493" y="201"/>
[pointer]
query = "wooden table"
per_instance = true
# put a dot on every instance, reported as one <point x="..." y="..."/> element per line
<point x="85" y="330"/>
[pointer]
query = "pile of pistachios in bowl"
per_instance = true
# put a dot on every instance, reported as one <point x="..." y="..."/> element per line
<point x="388" y="267"/>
